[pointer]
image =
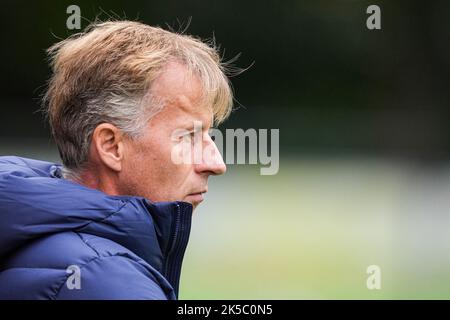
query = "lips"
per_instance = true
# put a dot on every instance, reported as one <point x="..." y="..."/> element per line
<point x="195" y="197"/>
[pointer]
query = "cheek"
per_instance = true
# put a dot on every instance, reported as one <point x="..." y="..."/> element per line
<point x="153" y="162"/>
<point x="154" y="174"/>
<point x="138" y="165"/>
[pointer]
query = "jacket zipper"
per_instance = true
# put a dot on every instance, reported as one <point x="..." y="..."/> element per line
<point x="179" y="239"/>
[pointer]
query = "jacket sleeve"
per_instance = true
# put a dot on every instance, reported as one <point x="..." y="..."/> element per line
<point x="111" y="278"/>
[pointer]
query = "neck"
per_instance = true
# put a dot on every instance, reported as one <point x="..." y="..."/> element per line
<point x="95" y="179"/>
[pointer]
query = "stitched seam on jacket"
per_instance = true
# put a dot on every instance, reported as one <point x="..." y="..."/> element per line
<point x="85" y="241"/>
<point x="105" y="218"/>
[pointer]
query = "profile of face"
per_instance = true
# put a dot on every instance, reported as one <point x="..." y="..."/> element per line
<point x="144" y="166"/>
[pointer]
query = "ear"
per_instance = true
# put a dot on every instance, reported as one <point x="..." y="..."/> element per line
<point x="108" y="143"/>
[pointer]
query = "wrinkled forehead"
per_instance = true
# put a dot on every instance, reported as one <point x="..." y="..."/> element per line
<point x="176" y="80"/>
<point x="179" y="88"/>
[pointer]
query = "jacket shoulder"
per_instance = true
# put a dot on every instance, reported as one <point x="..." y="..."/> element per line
<point x="73" y="265"/>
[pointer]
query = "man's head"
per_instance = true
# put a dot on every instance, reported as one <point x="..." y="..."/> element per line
<point x="119" y="94"/>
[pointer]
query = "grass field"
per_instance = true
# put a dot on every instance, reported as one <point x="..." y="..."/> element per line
<point x="312" y="231"/>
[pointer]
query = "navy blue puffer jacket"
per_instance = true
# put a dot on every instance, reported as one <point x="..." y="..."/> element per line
<point x="61" y="240"/>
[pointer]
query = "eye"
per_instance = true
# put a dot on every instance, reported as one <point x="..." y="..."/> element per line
<point x="193" y="136"/>
<point x="211" y="134"/>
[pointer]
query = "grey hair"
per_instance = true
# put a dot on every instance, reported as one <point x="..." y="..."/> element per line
<point x="129" y="114"/>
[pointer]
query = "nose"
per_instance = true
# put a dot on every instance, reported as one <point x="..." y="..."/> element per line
<point x="212" y="162"/>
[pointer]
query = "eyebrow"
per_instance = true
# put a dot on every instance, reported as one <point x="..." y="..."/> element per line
<point x="193" y="127"/>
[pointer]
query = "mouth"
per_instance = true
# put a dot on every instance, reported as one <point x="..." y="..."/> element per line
<point x="196" y="197"/>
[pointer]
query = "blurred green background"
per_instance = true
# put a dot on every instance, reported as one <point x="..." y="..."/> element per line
<point x="363" y="115"/>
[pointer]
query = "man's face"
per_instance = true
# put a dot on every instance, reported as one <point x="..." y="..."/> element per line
<point x="148" y="168"/>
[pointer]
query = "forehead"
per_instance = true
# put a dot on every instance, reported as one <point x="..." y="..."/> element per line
<point x="182" y="94"/>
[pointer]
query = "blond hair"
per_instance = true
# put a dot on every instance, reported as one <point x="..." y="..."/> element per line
<point x="104" y="73"/>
